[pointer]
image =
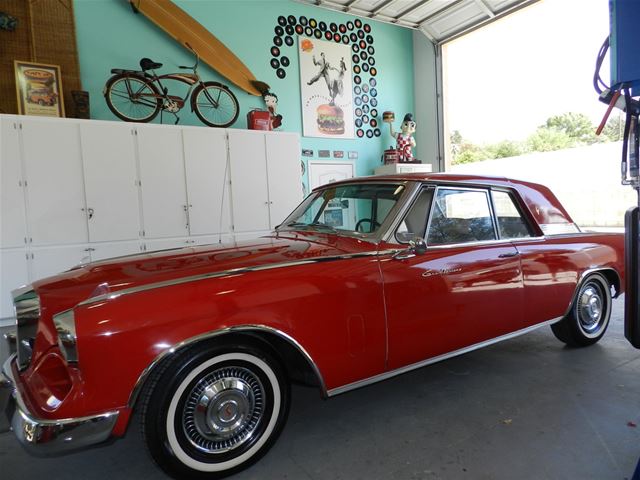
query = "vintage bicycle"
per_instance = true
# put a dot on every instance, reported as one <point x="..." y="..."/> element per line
<point x="138" y="96"/>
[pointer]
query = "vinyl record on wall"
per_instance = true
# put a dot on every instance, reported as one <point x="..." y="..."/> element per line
<point x="282" y="21"/>
<point x="288" y="41"/>
<point x="277" y="41"/>
<point x="365" y="67"/>
<point x="357" y="80"/>
<point x="284" y="61"/>
<point x="350" y="25"/>
<point x="355" y="48"/>
<point x="303" y="21"/>
<point x="374" y="102"/>
<point x="369" y="133"/>
<point x="376" y="132"/>
<point x="279" y="30"/>
<point x="328" y="35"/>
<point x="322" y="26"/>
<point x="333" y="27"/>
<point x="372" y="82"/>
<point x="317" y="33"/>
<point x="342" y="28"/>
<point x="356" y="69"/>
<point x="365" y="109"/>
<point x="281" y="73"/>
<point x="367" y="28"/>
<point x="357" y="90"/>
<point x="308" y="31"/>
<point x="336" y="37"/>
<point x="275" y="51"/>
<point x="313" y="23"/>
<point x="358" y="23"/>
<point x="360" y="133"/>
<point x="275" y="63"/>
<point x="289" y="30"/>
<point x="292" y="20"/>
<point x="359" y="112"/>
<point x="353" y="37"/>
<point x="360" y="34"/>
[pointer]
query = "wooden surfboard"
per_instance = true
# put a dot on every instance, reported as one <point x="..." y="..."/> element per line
<point x="187" y="31"/>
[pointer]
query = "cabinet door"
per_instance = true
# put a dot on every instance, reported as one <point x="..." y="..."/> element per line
<point x="102" y="251"/>
<point x="13" y="274"/>
<point x="207" y="173"/>
<point x="109" y="159"/>
<point x="249" y="194"/>
<point x="55" y="188"/>
<point x="164" y="196"/>
<point x="13" y="228"/>
<point x="53" y="260"/>
<point x="283" y="170"/>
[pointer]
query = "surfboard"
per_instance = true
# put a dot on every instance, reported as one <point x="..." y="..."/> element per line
<point x="187" y="31"/>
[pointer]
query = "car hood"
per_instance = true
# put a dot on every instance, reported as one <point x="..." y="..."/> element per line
<point x="97" y="278"/>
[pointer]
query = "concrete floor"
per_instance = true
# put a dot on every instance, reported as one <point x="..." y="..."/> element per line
<point x="527" y="408"/>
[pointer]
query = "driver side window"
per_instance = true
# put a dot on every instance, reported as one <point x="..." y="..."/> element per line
<point x="414" y="223"/>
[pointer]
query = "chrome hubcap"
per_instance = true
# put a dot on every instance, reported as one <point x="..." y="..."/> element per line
<point x="590" y="309"/>
<point x="223" y="410"/>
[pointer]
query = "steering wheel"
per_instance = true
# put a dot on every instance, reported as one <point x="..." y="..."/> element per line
<point x="364" y="220"/>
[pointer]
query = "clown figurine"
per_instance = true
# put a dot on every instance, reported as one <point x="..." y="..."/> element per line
<point x="271" y="101"/>
<point x="404" y="139"/>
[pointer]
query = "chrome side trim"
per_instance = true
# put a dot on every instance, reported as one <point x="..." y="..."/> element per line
<point x="51" y="437"/>
<point x="205" y="336"/>
<point x="224" y="273"/>
<point x="429" y="361"/>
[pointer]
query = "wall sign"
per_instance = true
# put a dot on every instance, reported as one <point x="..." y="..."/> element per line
<point x="39" y="89"/>
<point x="362" y="69"/>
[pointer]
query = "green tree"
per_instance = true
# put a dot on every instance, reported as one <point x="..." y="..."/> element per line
<point x="506" y="148"/>
<point x="576" y="126"/>
<point x="549" y="139"/>
<point x="614" y="129"/>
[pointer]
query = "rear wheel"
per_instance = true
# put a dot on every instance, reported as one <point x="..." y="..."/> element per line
<point x="215" y="411"/>
<point x="132" y="98"/>
<point x="589" y="317"/>
<point x="215" y="105"/>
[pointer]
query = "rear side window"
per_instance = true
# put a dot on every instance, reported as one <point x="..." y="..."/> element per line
<point x="511" y="224"/>
<point x="460" y="216"/>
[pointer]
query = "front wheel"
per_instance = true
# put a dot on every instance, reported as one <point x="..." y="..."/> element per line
<point x="215" y="105"/>
<point x="132" y="98"/>
<point x="215" y="411"/>
<point x="589" y="316"/>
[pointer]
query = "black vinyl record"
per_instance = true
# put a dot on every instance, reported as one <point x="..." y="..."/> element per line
<point x="369" y="39"/>
<point x="372" y="61"/>
<point x="308" y="31"/>
<point x="373" y="92"/>
<point x="291" y="19"/>
<point x="362" y="44"/>
<point x="374" y="112"/>
<point x="369" y="133"/>
<point x="282" y="21"/>
<point x="299" y="29"/>
<point x="284" y="61"/>
<point x="288" y="41"/>
<point x="353" y="37"/>
<point x="355" y="47"/>
<point x="372" y="82"/>
<point x="317" y="33"/>
<point x="376" y="132"/>
<point x="358" y="122"/>
<point x="360" y="34"/>
<point x="275" y="63"/>
<point x="303" y="21"/>
<point x="345" y="39"/>
<point x="358" y="23"/>
<point x="313" y="23"/>
<point x="360" y="133"/>
<point x="289" y="30"/>
<point x="356" y="69"/>
<point x="373" y="122"/>
<point x="355" y="58"/>
<point x="367" y="28"/>
<point x="371" y="50"/>
<point x="342" y="28"/>
<point x="281" y="73"/>
<point x="374" y="102"/>
<point x="333" y="27"/>
<point x="358" y="112"/>
<point x="275" y="51"/>
<point x="365" y="98"/>
<point x="277" y="41"/>
<point x="365" y="108"/>
<point x="336" y="37"/>
<point x="357" y="90"/>
<point x="279" y="30"/>
<point x="322" y="26"/>
<point x="374" y="72"/>
<point x="365" y="67"/>
<point x="328" y="35"/>
<point x="357" y="80"/>
<point x="363" y="55"/>
<point x="365" y="88"/>
<point x="357" y="101"/>
<point x="350" y="25"/>
<point x="365" y="119"/>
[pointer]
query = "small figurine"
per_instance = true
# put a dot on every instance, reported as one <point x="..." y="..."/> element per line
<point x="404" y="139"/>
<point x="271" y="101"/>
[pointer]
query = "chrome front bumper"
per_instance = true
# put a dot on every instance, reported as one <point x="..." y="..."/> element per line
<point x="48" y="437"/>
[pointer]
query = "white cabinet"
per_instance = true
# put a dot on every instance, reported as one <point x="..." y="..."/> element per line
<point x="249" y="190"/>
<point x="283" y="175"/>
<point x="110" y="181"/>
<point x="74" y="191"/>
<point x="13" y="229"/>
<point x="207" y="177"/>
<point x="14" y="272"/>
<point x="102" y="251"/>
<point x="164" y="194"/>
<point x="52" y="260"/>
<point x="55" y="188"/>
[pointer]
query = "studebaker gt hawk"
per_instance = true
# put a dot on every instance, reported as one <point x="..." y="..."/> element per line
<point x="366" y="279"/>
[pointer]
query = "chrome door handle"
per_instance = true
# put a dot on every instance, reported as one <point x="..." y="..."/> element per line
<point x="509" y="255"/>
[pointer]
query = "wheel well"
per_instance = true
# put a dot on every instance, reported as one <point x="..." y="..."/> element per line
<point x="613" y="278"/>
<point x="298" y="365"/>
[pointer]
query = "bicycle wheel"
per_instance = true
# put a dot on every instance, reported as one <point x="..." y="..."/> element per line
<point x="132" y="98"/>
<point x="215" y="105"/>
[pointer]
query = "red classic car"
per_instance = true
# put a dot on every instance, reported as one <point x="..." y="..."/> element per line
<point x="366" y="279"/>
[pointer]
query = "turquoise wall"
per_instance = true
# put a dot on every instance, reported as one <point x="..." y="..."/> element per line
<point x="110" y="35"/>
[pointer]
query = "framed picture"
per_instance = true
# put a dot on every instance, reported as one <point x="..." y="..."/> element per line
<point x="326" y="89"/>
<point x="39" y="89"/>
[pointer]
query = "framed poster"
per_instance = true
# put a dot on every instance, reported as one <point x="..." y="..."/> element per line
<point x="39" y="89"/>
<point x="326" y="89"/>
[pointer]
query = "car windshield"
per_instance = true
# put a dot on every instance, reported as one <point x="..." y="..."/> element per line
<point x="359" y="208"/>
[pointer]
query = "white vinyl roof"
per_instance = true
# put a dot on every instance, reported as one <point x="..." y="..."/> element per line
<point x="439" y="20"/>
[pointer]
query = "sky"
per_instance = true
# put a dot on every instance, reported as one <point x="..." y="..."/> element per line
<point x="504" y="80"/>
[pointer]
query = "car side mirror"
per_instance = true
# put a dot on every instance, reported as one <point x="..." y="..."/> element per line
<point x="417" y="246"/>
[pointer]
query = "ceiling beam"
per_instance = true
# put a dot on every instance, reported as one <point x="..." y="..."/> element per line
<point x="440" y="11"/>
<point x="382" y="6"/>
<point x="412" y="8"/>
<point x="485" y="8"/>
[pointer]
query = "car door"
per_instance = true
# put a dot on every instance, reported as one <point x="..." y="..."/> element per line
<point x="465" y="289"/>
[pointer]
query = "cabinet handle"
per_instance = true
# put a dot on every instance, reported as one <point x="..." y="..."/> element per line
<point x="89" y="249"/>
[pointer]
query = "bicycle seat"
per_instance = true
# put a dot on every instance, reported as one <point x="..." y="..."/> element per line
<point x="148" y="64"/>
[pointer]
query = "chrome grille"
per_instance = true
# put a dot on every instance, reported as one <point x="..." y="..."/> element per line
<point x="27" y="306"/>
